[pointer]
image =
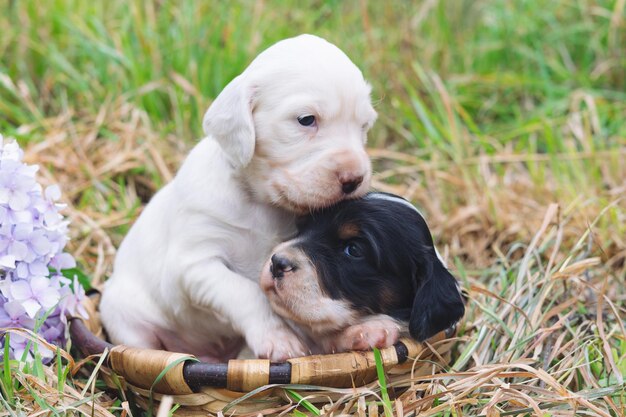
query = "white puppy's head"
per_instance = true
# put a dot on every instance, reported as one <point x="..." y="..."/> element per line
<point x="294" y="124"/>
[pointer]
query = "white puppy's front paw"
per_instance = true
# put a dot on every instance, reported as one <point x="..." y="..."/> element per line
<point x="380" y="333"/>
<point x="276" y="344"/>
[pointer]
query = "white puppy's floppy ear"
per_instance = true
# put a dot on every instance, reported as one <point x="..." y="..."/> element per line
<point x="229" y="120"/>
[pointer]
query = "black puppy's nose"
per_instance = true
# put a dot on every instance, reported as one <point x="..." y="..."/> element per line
<point x="279" y="265"/>
<point x="352" y="184"/>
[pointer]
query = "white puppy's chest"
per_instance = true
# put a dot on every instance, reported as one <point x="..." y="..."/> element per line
<point x="249" y="247"/>
<point x="239" y="235"/>
<point x="219" y="217"/>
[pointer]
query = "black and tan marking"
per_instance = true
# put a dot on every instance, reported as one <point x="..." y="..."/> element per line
<point x="371" y="256"/>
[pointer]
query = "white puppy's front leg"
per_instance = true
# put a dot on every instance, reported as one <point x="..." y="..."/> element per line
<point x="212" y="286"/>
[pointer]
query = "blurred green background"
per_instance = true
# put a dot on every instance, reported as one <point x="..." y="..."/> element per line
<point x="491" y="93"/>
<point x="514" y="68"/>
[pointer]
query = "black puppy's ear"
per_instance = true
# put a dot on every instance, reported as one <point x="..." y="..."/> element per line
<point x="437" y="304"/>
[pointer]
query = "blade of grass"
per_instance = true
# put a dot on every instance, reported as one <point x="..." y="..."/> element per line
<point x="38" y="364"/>
<point x="8" y="407"/>
<point x="7" y="380"/>
<point x="382" y="380"/>
<point x="94" y="373"/>
<point x="62" y="372"/>
<point x="303" y="401"/>
<point x="161" y="375"/>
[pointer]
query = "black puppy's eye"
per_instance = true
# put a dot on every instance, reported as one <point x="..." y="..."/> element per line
<point x="308" y="120"/>
<point x="353" y="250"/>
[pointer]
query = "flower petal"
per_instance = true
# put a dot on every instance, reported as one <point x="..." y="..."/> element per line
<point x="7" y="261"/>
<point x="14" y="309"/>
<point x="38" y="268"/>
<point x="5" y="288"/>
<point x="4" y="243"/>
<point x="32" y="307"/>
<point x="5" y="195"/>
<point x="39" y="284"/>
<point x="22" y="270"/>
<point x="53" y="192"/>
<point x="22" y="216"/>
<point x="18" y="200"/>
<point x="20" y="290"/>
<point x="40" y="244"/>
<point x="18" y="249"/>
<point x="22" y="231"/>
<point x="63" y="261"/>
<point x="49" y="298"/>
<point x="26" y="322"/>
<point x="52" y="218"/>
<point x="10" y="151"/>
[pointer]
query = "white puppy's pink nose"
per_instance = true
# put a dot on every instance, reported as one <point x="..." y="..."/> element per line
<point x="352" y="169"/>
<point x="348" y="186"/>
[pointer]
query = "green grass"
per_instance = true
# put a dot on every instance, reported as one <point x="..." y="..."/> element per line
<point x="514" y="67"/>
<point x="495" y="108"/>
<point x="453" y="80"/>
<point x="382" y="380"/>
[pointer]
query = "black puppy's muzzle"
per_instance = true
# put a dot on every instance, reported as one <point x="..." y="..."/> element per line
<point x="279" y="265"/>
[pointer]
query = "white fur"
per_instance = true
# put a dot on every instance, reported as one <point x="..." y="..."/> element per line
<point x="186" y="275"/>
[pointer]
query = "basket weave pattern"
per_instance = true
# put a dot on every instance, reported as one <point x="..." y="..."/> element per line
<point x="200" y="387"/>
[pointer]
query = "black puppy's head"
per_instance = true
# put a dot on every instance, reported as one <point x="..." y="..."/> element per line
<point x="373" y="255"/>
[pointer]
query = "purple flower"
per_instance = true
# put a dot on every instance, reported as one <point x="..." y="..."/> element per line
<point x="35" y="268"/>
<point x="10" y="244"/>
<point x="62" y="261"/>
<point x="7" y="261"/>
<point x="13" y="314"/>
<point x="16" y="182"/>
<point x="34" y="294"/>
<point x="47" y="207"/>
<point x="8" y="215"/>
<point x="33" y="235"/>
<point x="53" y="329"/>
<point x="10" y="151"/>
<point x="35" y="240"/>
<point x="18" y="344"/>
<point x="71" y="301"/>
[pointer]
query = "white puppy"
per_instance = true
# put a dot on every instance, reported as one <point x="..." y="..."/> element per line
<point x="284" y="137"/>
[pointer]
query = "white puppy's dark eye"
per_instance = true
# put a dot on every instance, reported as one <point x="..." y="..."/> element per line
<point x="307" y="120"/>
<point x="353" y="250"/>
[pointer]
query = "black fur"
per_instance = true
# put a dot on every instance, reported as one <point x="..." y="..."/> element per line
<point x="397" y="273"/>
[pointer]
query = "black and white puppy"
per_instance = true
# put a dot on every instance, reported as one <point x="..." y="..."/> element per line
<point x="360" y="274"/>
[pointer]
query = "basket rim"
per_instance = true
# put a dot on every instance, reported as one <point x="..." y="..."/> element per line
<point x="178" y="373"/>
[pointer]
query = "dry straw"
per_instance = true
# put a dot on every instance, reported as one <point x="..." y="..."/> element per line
<point x="552" y="341"/>
<point x="151" y="374"/>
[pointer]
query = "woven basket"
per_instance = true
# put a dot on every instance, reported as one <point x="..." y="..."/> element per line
<point x="247" y="386"/>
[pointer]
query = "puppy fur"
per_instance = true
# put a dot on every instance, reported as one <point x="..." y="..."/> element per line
<point x="360" y="274"/>
<point x="285" y="137"/>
